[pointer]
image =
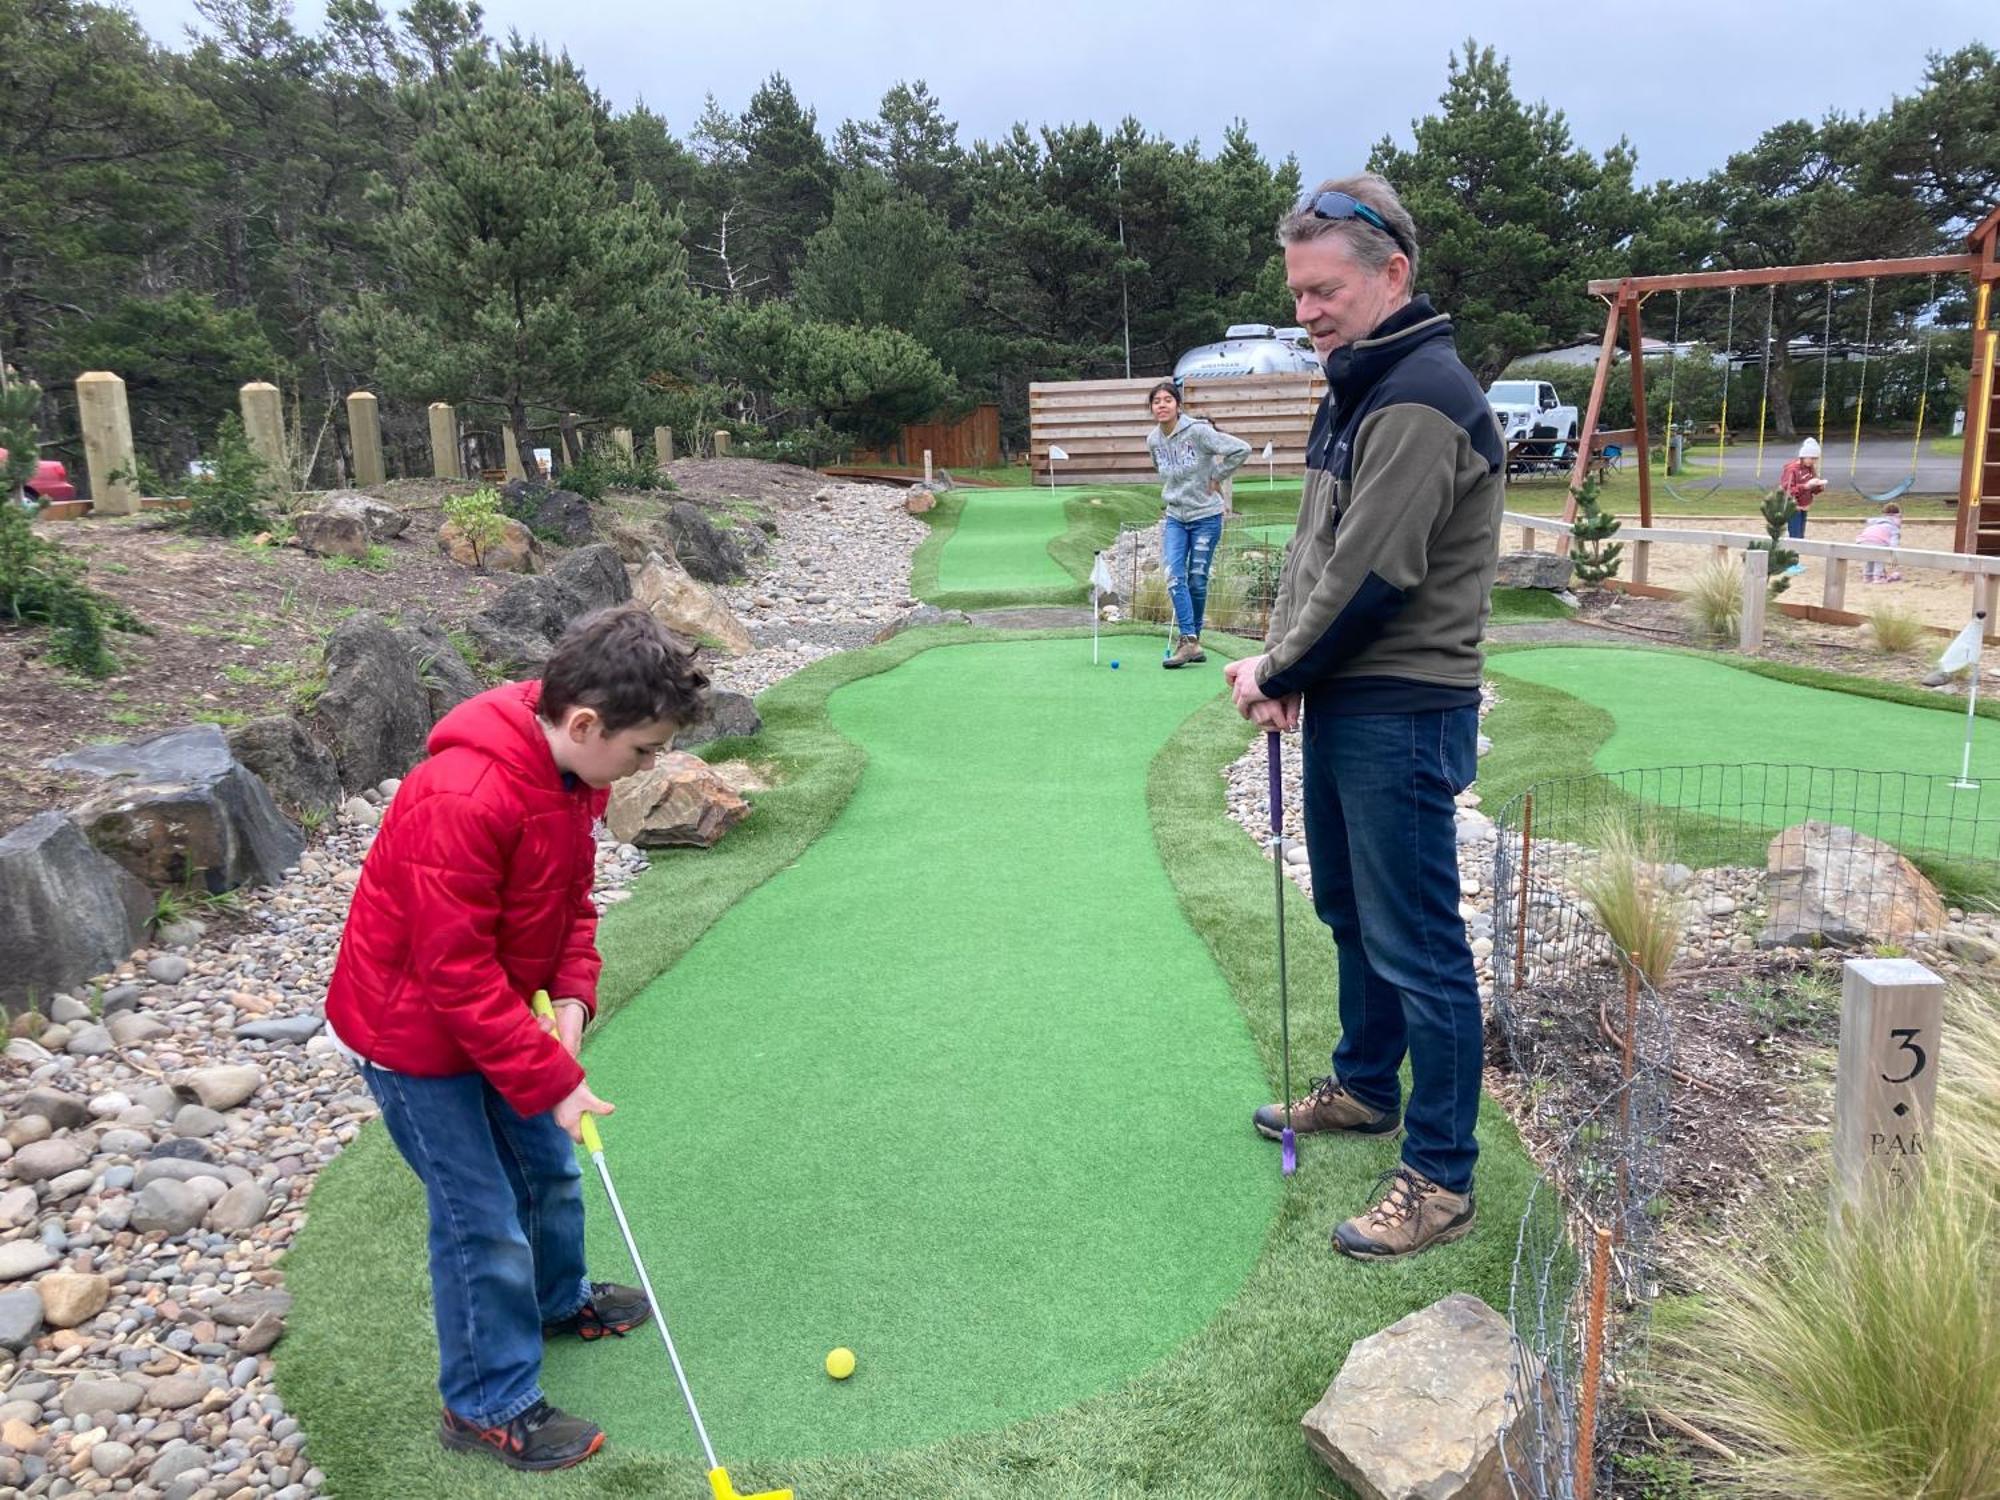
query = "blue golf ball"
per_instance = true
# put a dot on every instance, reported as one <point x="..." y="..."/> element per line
<point x="1114" y="666"/>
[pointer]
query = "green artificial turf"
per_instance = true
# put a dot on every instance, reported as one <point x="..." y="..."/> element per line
<point x="1002" y="543"/>
<point x="1628" y="711"/>
<point x="755" y="1133"/>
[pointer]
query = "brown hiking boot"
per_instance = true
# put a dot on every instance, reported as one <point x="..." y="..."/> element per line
<point x="1326" y="1106"/>
<point x="1186" y="654"/>
<point x="1413" y="1215"/>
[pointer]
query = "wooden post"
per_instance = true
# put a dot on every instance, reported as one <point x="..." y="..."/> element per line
<point x="364" y="435"/>
<point x="444" y="441"/>
<point x="1756" y="577"/>
<point x="107" y="442"/>
<point x="264" y="426"/>
<point x="1833" y="593"/>
<point x="1886" y="1086"/>
<point x="511" y="453"/>
<point x="1637" y="342"/>
<point x="663" y="446"/>
<point x="1527" y="855"/>
<point x="1985" y="587"/>
<point x="721" y="443"/>
<point x="1527" y="539"/>
<point x="1593" y="1367"/>
<point x="1642" y="558"/>
<point x="928" y="481"/>
<point x="1589" y="428"/>
<point x="622" y="436"/>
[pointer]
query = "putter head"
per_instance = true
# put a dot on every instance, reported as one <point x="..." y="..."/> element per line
<point x="1290" y="1144"/>
<point x="718" y="1481"/>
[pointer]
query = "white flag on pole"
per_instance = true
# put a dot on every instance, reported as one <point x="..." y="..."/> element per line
<point x="1057" y="452"/>
<point x="1100" y="576"/>
<point x="1964" y="648"/>
<point x="1266" y="454"/>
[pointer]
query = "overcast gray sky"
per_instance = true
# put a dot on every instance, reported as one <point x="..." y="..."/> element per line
<point x="1322" y="80"/>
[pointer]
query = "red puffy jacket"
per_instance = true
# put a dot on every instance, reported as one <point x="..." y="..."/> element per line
<point x="475" y="895"/>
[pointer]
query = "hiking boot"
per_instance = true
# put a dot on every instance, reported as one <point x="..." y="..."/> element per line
<point x="1186" y="654"/>
<point x="1413" y="1215"/>
<point x="540" y="1438"/>
<point x="1326" y="1106"/>
<point x="612" y="1309"/>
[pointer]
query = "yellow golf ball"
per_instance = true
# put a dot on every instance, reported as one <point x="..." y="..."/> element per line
<point x="840" y="1363"/>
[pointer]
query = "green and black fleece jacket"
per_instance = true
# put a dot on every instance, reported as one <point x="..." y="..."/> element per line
<point x="1389" y="578"/>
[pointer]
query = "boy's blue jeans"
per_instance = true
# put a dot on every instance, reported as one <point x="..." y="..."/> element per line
<point x="1382" y="839"/>
<point x="1186" y="550"/>
<point x="506" y="1237"/>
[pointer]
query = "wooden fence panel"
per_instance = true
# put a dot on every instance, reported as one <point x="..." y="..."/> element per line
<point x="1102" y="424"/>
<point x="971" y="442"/>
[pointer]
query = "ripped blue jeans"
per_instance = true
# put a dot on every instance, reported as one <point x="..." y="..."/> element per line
<point x="1186" y="550"/>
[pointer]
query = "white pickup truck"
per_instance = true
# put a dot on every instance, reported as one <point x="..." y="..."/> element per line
<point x="1531" y="409"/>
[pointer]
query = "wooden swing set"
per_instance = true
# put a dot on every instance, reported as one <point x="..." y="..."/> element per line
<point x="1979" y="472"/>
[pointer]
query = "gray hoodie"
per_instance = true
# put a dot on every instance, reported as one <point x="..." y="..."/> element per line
<point x="1190" y="459"/>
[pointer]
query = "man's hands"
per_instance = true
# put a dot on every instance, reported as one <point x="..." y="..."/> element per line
<point x="579" y="1102"/>
<point x="1265" y="713"/>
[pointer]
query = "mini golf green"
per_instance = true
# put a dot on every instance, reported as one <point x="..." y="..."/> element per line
<point x="1681" y="710"/>
<point x="1002" y="543"/>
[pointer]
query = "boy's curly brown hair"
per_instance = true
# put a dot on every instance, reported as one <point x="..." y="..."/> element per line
<point x="627" y="666"/>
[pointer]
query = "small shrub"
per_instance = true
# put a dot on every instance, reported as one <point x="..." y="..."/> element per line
<point x="808" y="447"/>
<point x="1895" y="631"/>
<point x="1151" y="601"/>
<point x="1778" y="508"/>
<point x="1626" y="888"/>
<point x="229" y="499"/>
<point x="608" y="467"/>
<point x="1714" y="601"/>
<point x="479" y="520"/>
<point x="1595" y="557"/>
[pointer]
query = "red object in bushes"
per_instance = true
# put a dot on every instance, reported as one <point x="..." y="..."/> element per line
<point x="50" y="481"/>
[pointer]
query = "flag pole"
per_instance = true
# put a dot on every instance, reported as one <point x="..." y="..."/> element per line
<point x="1965" y="783"/>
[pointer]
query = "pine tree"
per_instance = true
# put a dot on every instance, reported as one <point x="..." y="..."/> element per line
<point x="1779" y="508"/>
<point x="1595" y="557"/>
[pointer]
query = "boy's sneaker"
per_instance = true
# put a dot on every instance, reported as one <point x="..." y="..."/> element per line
<point x="1326" y="1106"/>
<point x="1413" y="1215"/>
<point x="540" y="1438"/>
<point x="612" y="1309"/>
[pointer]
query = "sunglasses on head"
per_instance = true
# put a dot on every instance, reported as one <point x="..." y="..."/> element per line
<point x="1335" y="205"/>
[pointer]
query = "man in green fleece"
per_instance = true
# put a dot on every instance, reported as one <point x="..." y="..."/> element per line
<point x="1374" y="646"/>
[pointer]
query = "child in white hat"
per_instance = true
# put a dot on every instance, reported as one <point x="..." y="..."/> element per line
<point x="1801" y="480"/>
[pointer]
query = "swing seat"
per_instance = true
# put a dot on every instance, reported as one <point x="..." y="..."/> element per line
<point x="1894" y="492"/>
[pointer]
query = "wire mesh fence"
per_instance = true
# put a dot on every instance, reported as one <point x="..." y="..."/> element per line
<point x="1242" y="575"/>
<point x="1709" y="876"/>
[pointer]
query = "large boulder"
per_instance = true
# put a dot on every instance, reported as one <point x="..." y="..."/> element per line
<point x="597" y="574"/>
<point x="66" y="912"/>
<point x="290" y="760"/>
<point x="562" y="516"/>
<point x="680" y="801"/>
<point x="687" y="608"/>
<point x="513" y="552"/>
<point x="179" y="810"/>
<point x="724" y="715"/>
<point x="447" y="677"/>
<point x="1533" y="570"/>
<point x="375" y="711"/>
<point x="704" y="549"/>
<point x="1829" y="884"/>
<point x="383" y="521"/>
<point x="1428" y="1407"/>
<point x="331" y="533"/>
<point x="518" y="630"/>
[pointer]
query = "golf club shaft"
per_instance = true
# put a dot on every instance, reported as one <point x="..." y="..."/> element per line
<point x="1274" y="744"/>
<point x="659" y="1315"/>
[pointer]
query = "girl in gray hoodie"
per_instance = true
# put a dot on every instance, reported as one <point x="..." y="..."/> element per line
<point x="1193" y="459"/>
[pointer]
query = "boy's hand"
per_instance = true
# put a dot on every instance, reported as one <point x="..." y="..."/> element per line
<point x="575" y="1105"/>
<point x="566" y="1025"/>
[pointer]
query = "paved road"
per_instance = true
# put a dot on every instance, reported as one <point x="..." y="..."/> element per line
<point x="1881" y="463"/>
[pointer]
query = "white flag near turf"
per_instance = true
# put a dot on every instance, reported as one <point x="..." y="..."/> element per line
<point x="1964" y="648"/>
<point x="1100" y="576"/>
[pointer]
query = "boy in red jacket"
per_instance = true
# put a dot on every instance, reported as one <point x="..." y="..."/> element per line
<point x="475" y="895"/>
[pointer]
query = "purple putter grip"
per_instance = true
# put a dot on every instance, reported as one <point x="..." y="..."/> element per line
<point x="1291" y="1146"/>
<point x="1277" y="783"/>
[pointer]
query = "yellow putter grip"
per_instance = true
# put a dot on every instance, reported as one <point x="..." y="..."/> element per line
<point x="544" y="1007"/>
<point x="587" y="1125"/>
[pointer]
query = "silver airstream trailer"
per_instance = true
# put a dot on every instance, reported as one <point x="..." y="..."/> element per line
<point x="1250" y="349"/>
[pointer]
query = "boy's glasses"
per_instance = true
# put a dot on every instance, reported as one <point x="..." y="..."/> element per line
<point x="1337" y="206"/>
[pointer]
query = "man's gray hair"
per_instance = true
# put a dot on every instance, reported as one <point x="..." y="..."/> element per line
<point x="1368" y="245"/>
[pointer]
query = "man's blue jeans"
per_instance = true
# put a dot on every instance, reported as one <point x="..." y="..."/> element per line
<point x="506" y="1236"/>
<point x="1382" y="840"/>
<point x="1186" y="550"/>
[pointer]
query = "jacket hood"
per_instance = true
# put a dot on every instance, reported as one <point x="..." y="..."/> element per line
<point x="1353" y="368"/>
<point x="501" y="725"/>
